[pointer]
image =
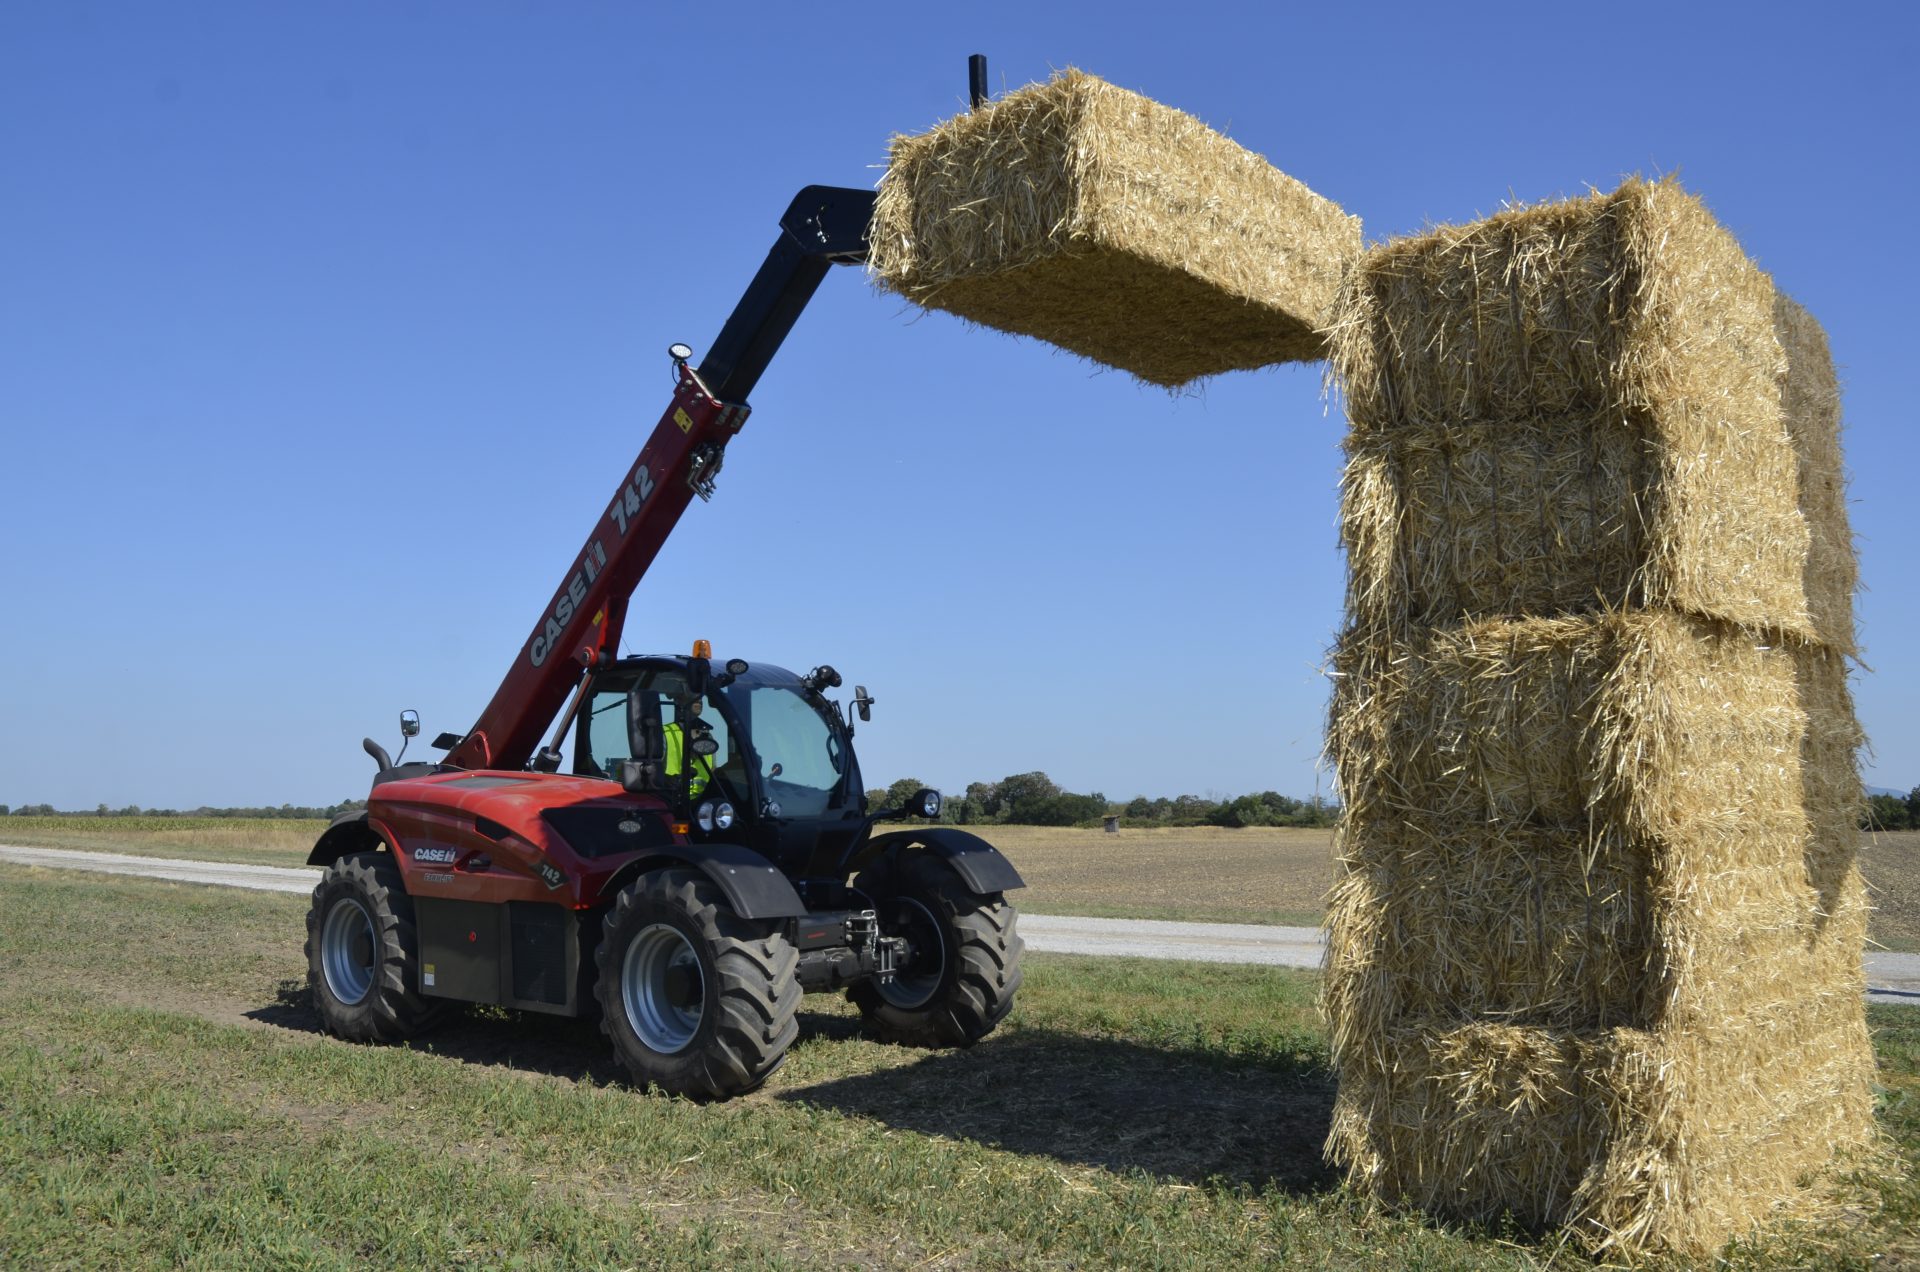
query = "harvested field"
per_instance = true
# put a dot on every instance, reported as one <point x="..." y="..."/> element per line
<point x="1891" y="863"/>
<point x="264" y="841"/>
<point x="1112" y="226"/>
<point x="1198" y="874"/>
<point x="1268" y="875"/>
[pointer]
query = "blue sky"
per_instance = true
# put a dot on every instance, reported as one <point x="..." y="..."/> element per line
<point x="326" y="330"/>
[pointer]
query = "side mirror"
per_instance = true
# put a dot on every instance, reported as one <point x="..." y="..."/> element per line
<point x="409" y="724"/>
<point x="862" y="702"/>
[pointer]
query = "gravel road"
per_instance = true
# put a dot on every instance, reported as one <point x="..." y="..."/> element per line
<point x="1892" y="978"/>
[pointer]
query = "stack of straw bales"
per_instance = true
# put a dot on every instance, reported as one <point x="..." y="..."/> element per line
<point x="1115" y="227"/>
<point x="1594" y="955"/>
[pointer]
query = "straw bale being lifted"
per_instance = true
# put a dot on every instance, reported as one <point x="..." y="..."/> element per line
<point x="1587" y="404"/>
<point x="1112" y="226"/>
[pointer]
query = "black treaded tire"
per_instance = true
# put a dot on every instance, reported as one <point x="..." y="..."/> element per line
<point x="728" y="1015"/>
<point x="961" y="999"/>
<point x="363" y="893"/>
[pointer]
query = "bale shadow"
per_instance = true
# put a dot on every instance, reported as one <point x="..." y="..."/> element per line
<point x="1117" y="1105"/>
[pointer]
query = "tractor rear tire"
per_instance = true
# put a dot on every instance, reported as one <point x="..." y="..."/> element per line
<point x="363" y="957"/>
<point x="696" y="1000"/>
<point x="965" y="969"/>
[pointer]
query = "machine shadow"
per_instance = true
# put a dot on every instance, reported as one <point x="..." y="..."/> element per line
<point x="556" y="1046"/>
<point x="1117" y="1105"/>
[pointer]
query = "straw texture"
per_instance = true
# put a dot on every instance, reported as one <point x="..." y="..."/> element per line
<point x="1594" y="941"/>
<point x="1112" y="226"/>
<point x="1589" y="404"/>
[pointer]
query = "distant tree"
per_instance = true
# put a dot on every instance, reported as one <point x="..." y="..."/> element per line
<point x="984" y="798"/>
<point x="1021" y="793"/>
<point x="1913" y="807"/>
<point x="4" y="810"/>
<point x="901" y="791"/>
<point x="1139" y="808"/>
<point x="1064" y="809"/>
<point x="1189" y="810"/>
<point x="1885" y="812"/>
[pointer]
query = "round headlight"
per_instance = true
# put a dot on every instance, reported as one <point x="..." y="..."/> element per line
<point x="723" y="816"/>
<point x="704" y="815"/>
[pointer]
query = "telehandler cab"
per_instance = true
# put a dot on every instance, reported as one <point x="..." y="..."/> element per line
<point x="710" y="857"/>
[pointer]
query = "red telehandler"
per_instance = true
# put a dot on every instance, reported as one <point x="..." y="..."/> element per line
<point x="710" y="857"/>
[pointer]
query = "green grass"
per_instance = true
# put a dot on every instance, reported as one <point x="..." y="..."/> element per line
<point x="165" y="1099"/>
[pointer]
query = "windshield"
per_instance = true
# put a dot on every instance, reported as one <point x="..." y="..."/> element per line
<point x="790" y="739"/>
<point x="798" y="752"/>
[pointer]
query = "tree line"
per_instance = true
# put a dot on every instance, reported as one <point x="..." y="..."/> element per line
<point x="1034" y="799"/>
<point x="1892" y="812"/>
<point x="304" y="812"/>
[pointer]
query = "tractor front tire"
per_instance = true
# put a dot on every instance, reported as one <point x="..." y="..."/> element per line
<point x="696" y="1000"/>
<point x="363" y="957"/>
<point x="965" y="968"/>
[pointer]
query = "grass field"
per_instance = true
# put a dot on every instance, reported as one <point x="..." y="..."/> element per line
<point x="1233" y="876"/>
<point x="166" y="1099"/>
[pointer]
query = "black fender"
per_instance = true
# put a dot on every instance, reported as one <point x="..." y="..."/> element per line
<point x="349" y="833"/>
<point x="978" y="863"/>
<point x="755" y="888"/>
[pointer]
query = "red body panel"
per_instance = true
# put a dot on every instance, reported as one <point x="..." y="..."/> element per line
<point x="430" y="822"/>
<point x="585" y="616"/>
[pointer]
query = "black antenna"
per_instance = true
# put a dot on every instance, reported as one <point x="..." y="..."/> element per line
<point x="977" y="80"/>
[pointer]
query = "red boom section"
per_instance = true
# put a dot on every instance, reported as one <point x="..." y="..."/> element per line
<point x="586" y="613"/>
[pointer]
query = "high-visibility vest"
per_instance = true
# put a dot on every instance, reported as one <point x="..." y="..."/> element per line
<point x="676" y="761"/>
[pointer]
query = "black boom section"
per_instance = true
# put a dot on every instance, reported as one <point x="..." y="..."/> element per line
<point x="823" y="227"/>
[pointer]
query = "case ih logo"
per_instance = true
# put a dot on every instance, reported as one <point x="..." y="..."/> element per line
<point x="444" y="856"/>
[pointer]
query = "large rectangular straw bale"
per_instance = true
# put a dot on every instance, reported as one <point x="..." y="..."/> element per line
<point x="1594" y="403"/>
<point x="1630" y="1140"/>
<point x="1115" y="227"/>
<point x="1654" y="722"/>
<point x="1594" y="944"/>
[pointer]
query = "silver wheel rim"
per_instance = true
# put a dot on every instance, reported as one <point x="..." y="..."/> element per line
<point x="662" y="988"/>
<point x="918" y="924"/>
<point x="346" y="951"/>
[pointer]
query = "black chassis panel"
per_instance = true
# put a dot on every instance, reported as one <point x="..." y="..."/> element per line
<point x="523" y="954"/>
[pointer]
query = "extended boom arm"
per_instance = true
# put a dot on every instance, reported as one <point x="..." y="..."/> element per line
<point x="824" y="226"/>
